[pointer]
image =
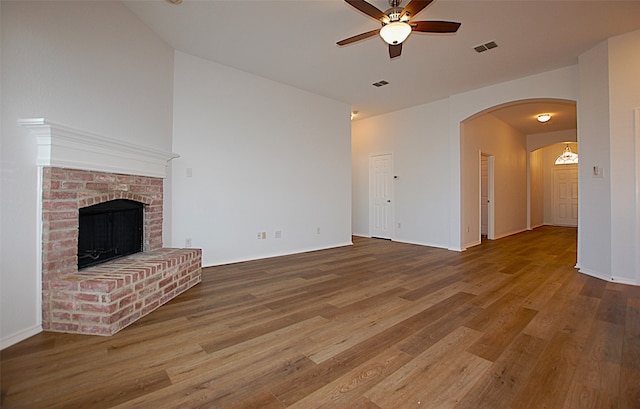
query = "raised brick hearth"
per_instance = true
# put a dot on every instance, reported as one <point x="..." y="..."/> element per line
<point x="105" y="298"/>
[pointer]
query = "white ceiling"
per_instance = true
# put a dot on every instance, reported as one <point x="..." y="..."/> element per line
<point x="294" y="42"/>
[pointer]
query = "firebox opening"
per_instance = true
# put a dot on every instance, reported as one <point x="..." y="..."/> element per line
<point x="109" y="230"/>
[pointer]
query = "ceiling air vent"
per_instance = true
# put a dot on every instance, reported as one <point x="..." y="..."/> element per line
<point x="380" y="83"/>
<point x="484" y="47"/>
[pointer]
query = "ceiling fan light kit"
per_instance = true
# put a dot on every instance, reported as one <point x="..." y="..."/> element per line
<point x="396" y="23"/>
<point x="395" y="32"/>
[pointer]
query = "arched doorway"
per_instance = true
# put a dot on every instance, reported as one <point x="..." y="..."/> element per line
<point x="509" y="133"/>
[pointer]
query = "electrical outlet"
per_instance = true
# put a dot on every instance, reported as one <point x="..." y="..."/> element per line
<point x="318" y="230"/>
<point x="399" y="225"/>
<point x="187" y="242"/>
<point x="259" y="235"/>
<point x="278" y="234"/>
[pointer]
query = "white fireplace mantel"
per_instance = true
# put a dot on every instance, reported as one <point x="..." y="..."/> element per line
<point x="66" y="147"/>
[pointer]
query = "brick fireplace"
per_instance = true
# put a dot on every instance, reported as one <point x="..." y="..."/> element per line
<point x="104" y="298"/>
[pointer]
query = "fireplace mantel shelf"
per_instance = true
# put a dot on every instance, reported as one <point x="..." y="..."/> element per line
<point x="66" y="147"/>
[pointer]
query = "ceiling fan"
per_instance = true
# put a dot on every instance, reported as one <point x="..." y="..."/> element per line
<point x="396" y="23"/>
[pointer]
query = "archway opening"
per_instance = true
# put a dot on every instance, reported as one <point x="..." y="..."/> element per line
<point x="509" y="133"/>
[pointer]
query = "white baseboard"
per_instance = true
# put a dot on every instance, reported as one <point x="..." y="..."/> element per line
<point x="595" y="274"/>
<point x="606" y="277"/>
<point x="278" y="254"/>
<point x="418" y="243"/>
<point x="12" y="339"/>
<point x="623" y="280"/>
<point x="496" y="237"/>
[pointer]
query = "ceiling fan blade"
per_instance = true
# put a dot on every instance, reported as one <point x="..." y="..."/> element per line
<point x="358" y="37"/>
<point x="414" y="7"/>
<point x="367" y="8"/>
<point x="435" y="26"/>
<point x="395" y="50"/>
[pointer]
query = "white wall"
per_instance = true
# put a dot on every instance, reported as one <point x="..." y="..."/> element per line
<point x="491" y="136"/>
<point x="536" y="190"/>
<point x="89" y="65"/>
<point x="263" y="157"/>
<point x="624" y="94"/>
<point x="608" y="239"/>
<point x="418" y="140"/>
<point x="425" y="142"/>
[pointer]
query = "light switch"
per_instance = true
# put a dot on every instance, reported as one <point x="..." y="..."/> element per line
<point x="598" y="172"/>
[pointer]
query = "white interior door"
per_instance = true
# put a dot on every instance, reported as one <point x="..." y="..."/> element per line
<point x="565" y="195"/>
<point x="484" y="194"/>
<point x="381" y="196"/>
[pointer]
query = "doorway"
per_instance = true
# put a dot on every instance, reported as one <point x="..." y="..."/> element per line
<point x="565" y="195"/>
<point x="381" y="196"/>
<point x="486" y="196"/>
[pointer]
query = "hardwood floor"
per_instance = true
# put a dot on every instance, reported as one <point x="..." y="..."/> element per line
<point x="507" y="324"/>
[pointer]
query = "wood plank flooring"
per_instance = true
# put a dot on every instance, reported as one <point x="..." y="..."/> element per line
<point x="507" y="324"/>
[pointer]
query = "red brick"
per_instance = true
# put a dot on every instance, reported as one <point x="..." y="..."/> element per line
<point x="127" y="300"/>
<point x="128" y="320"/>
<point x="61" y="204"/>
<point x="68" y="185"/>
<point x="152" y="298"/>
<point x="61" y="316"/>
<point x="52" y="256"/>
<point x="118" y="315"/>
<point x="104" y="177"/>
<point x="97" y="285"/>
<point x="84" y="318"/>
<point x="120" y="294"/>
<point x="63" y="305"/>
<point x="80" y="175"/>
<point x="56" y="173"/>
<point x="170" y="288"/>
<point x="61" y="215"/>
<point x="150" y="307"/>
<point x="95" y="330"/>
<point x="61" y="266"/>
<point x="63" y="327"/>
<point x="97" y="186"/>
<point x="99" y="308"/>
<point x="63" y="224"/>
<point x="68" y="285"/>
<point x="86" y="297"/>
<point x="129" y="179"/>
<point x="60" y="195"/>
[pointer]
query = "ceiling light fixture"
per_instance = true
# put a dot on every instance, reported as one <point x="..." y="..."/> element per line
<point x="395" y="32"/>
<point x="544" y="118"/>
<point x="353" y="114"/>
<point x="567" y="157"/>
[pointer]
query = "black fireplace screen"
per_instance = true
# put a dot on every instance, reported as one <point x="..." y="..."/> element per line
<point x="109" y="230"/>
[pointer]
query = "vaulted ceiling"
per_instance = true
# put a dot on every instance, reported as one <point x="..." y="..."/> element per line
<point x="294" y="42"/>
